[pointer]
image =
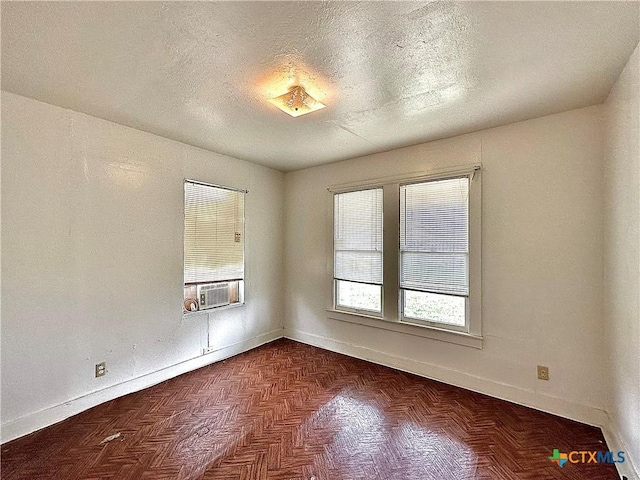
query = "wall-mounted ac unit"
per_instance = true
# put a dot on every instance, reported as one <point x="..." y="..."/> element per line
<point x="213" y="295"/>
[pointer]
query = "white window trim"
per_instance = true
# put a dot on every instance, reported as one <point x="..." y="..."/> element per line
<point x="391" y="318"/>
<point x="242" y="302"/>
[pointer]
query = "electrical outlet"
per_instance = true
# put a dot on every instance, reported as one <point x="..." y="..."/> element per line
<point x="101" y="369"/>
<point x="543" y="373"/>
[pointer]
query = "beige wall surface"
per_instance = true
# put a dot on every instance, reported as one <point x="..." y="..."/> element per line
<point x="92" y="265"/>
<point x="622" y="255"/>
<point x="542" y="263"/>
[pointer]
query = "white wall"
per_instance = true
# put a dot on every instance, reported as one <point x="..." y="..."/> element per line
<point x="542" y="263"/>
<point x="622" y="256"/>
<point x="92" y="228"/>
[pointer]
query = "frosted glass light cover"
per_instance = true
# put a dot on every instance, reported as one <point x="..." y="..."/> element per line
<point x="296" y="102"/>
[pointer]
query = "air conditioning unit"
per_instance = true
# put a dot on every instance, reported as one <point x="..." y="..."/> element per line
<point x="213" y="295"/>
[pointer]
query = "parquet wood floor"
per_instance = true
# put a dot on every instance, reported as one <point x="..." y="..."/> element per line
<point x="291" y="411"/>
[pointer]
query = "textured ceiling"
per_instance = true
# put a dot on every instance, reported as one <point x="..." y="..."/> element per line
<point x="391" y="73"/>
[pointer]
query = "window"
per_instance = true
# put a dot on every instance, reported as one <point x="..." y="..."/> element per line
<point x="357" y="247"/>
<point x="434" y="251"/>
<point x="429" y="227"/>
<point x="213" y="246"/>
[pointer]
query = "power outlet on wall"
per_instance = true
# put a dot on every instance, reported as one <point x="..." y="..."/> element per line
<point x="101" y="369"/>
<point x="543" y="372"/>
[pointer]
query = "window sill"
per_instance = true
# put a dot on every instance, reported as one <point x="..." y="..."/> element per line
<point x="449" y="336"/>
<point x="186" y="315"/>
<point x="189" y="315"/>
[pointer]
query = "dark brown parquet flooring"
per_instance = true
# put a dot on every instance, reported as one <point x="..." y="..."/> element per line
<point x="291" y="411"/>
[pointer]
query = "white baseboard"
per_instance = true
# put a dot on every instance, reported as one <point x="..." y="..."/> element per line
<point x="615" y="443"/>
<point x="556" y="406"/>
<point x="49" y="416"/>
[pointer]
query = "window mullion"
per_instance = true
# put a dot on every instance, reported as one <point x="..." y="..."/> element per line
<point x="475" y="255"/>
<point x="390" y="242"/>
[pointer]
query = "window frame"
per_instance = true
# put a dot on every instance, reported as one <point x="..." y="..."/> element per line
<point x="342" y="308"/>
<point x="401" y="294"/>
<point x="359" y="311"/>
<point x="241" y="281"/>
<point x="428" y="323"/>
<point x="392" y="297"/>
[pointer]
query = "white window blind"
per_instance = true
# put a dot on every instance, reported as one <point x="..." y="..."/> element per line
<point x="213" y="233"/>
<point x="434" y="237"/>
<point x="358" y="236"/>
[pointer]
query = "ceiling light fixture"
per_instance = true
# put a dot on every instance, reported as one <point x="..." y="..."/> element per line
<point x="296" y="102"/>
